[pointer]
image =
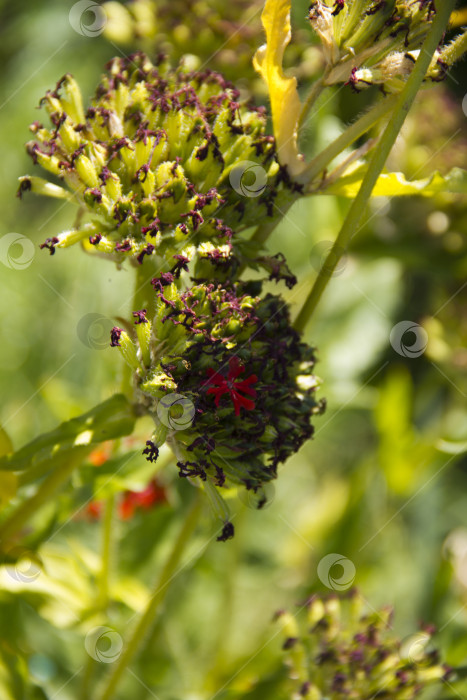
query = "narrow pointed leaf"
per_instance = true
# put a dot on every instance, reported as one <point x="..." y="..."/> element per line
<point x="283" y="95"/>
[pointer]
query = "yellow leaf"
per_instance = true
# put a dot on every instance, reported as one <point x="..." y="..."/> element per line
<point x="396" y="185"/>
<point x="283" y="95"/>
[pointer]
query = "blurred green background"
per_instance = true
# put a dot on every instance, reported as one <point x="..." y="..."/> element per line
<point x="384" y="482"/>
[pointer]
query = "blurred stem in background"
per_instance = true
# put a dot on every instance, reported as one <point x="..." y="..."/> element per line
<point x="404" y="102"/>
<point x="147" y="619"/>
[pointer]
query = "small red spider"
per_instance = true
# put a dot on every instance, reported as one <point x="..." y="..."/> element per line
<point x="230" y="385"/>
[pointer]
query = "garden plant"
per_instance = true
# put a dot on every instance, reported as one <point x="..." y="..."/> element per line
<point x="254" y="279"/>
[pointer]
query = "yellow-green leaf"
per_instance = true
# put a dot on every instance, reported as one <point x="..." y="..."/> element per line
<point x="283" y="95"/>
<point x="6" y="445"/>
<point x="8" y="487"/>
<point x="396" y="185"/>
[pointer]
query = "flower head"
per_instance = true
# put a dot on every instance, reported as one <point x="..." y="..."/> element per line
<point x="228" y="381"/>
<point x="223" y="34"/>
<point x="340" y="651"/>
<point x="157" y="161"/>
<point x="374" y="42"/>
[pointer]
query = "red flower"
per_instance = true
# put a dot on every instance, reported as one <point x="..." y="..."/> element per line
<point x="94" y="510"/>
<point x="136" y="500"/>
<point x="230" y="385"/>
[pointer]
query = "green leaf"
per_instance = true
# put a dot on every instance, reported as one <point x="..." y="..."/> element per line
<point x="396" y="185"/>
<point x="109" y="420"/>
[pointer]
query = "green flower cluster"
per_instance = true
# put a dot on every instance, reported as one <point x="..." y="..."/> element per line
<point x="170" y="168"/>
<point x="223" y="34"/>
<point x="225" y="377"/>
<point x="164" y="162"/>
<point x="341" y="652"/>
<point x="376" y="42"/>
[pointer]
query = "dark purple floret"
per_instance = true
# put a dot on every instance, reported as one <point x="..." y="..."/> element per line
<point x="115" y="335"/>
<point x="50" y="244"/>
<point x="25" y="186"/>
<point x="123" y="246"/>
<point x="151" y="451"/>
<point x="148" y="250"/>
<point x="140" y="316"/>
<point x="227" y="532"/>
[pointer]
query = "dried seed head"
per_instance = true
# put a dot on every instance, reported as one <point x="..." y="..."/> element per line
<point x="227" y="380"/>
<point x="161" y="160"/>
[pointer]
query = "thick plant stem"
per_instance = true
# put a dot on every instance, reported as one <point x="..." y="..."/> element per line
<point x="144" y="297"/>
<point x="376" y="164"/>
<point x="45" y="492"/>
<point x="351" y="134"/>
<point x="148" y="617"/>
<point x="144" y="293"/>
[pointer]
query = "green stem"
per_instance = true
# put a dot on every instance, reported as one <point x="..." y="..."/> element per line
<point x="261" y="234"/>
<point x="103" y="587"/>
<point x="376" y="164"/>
<point x="214" y="674"/>
<point x="44" y="493"/>
<point x="351" y="134"/>
<point x="313" y="95"/>
<point x="107" y="532"/>
<point x="148" y="617"/>
<point x="143" y="298"/>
